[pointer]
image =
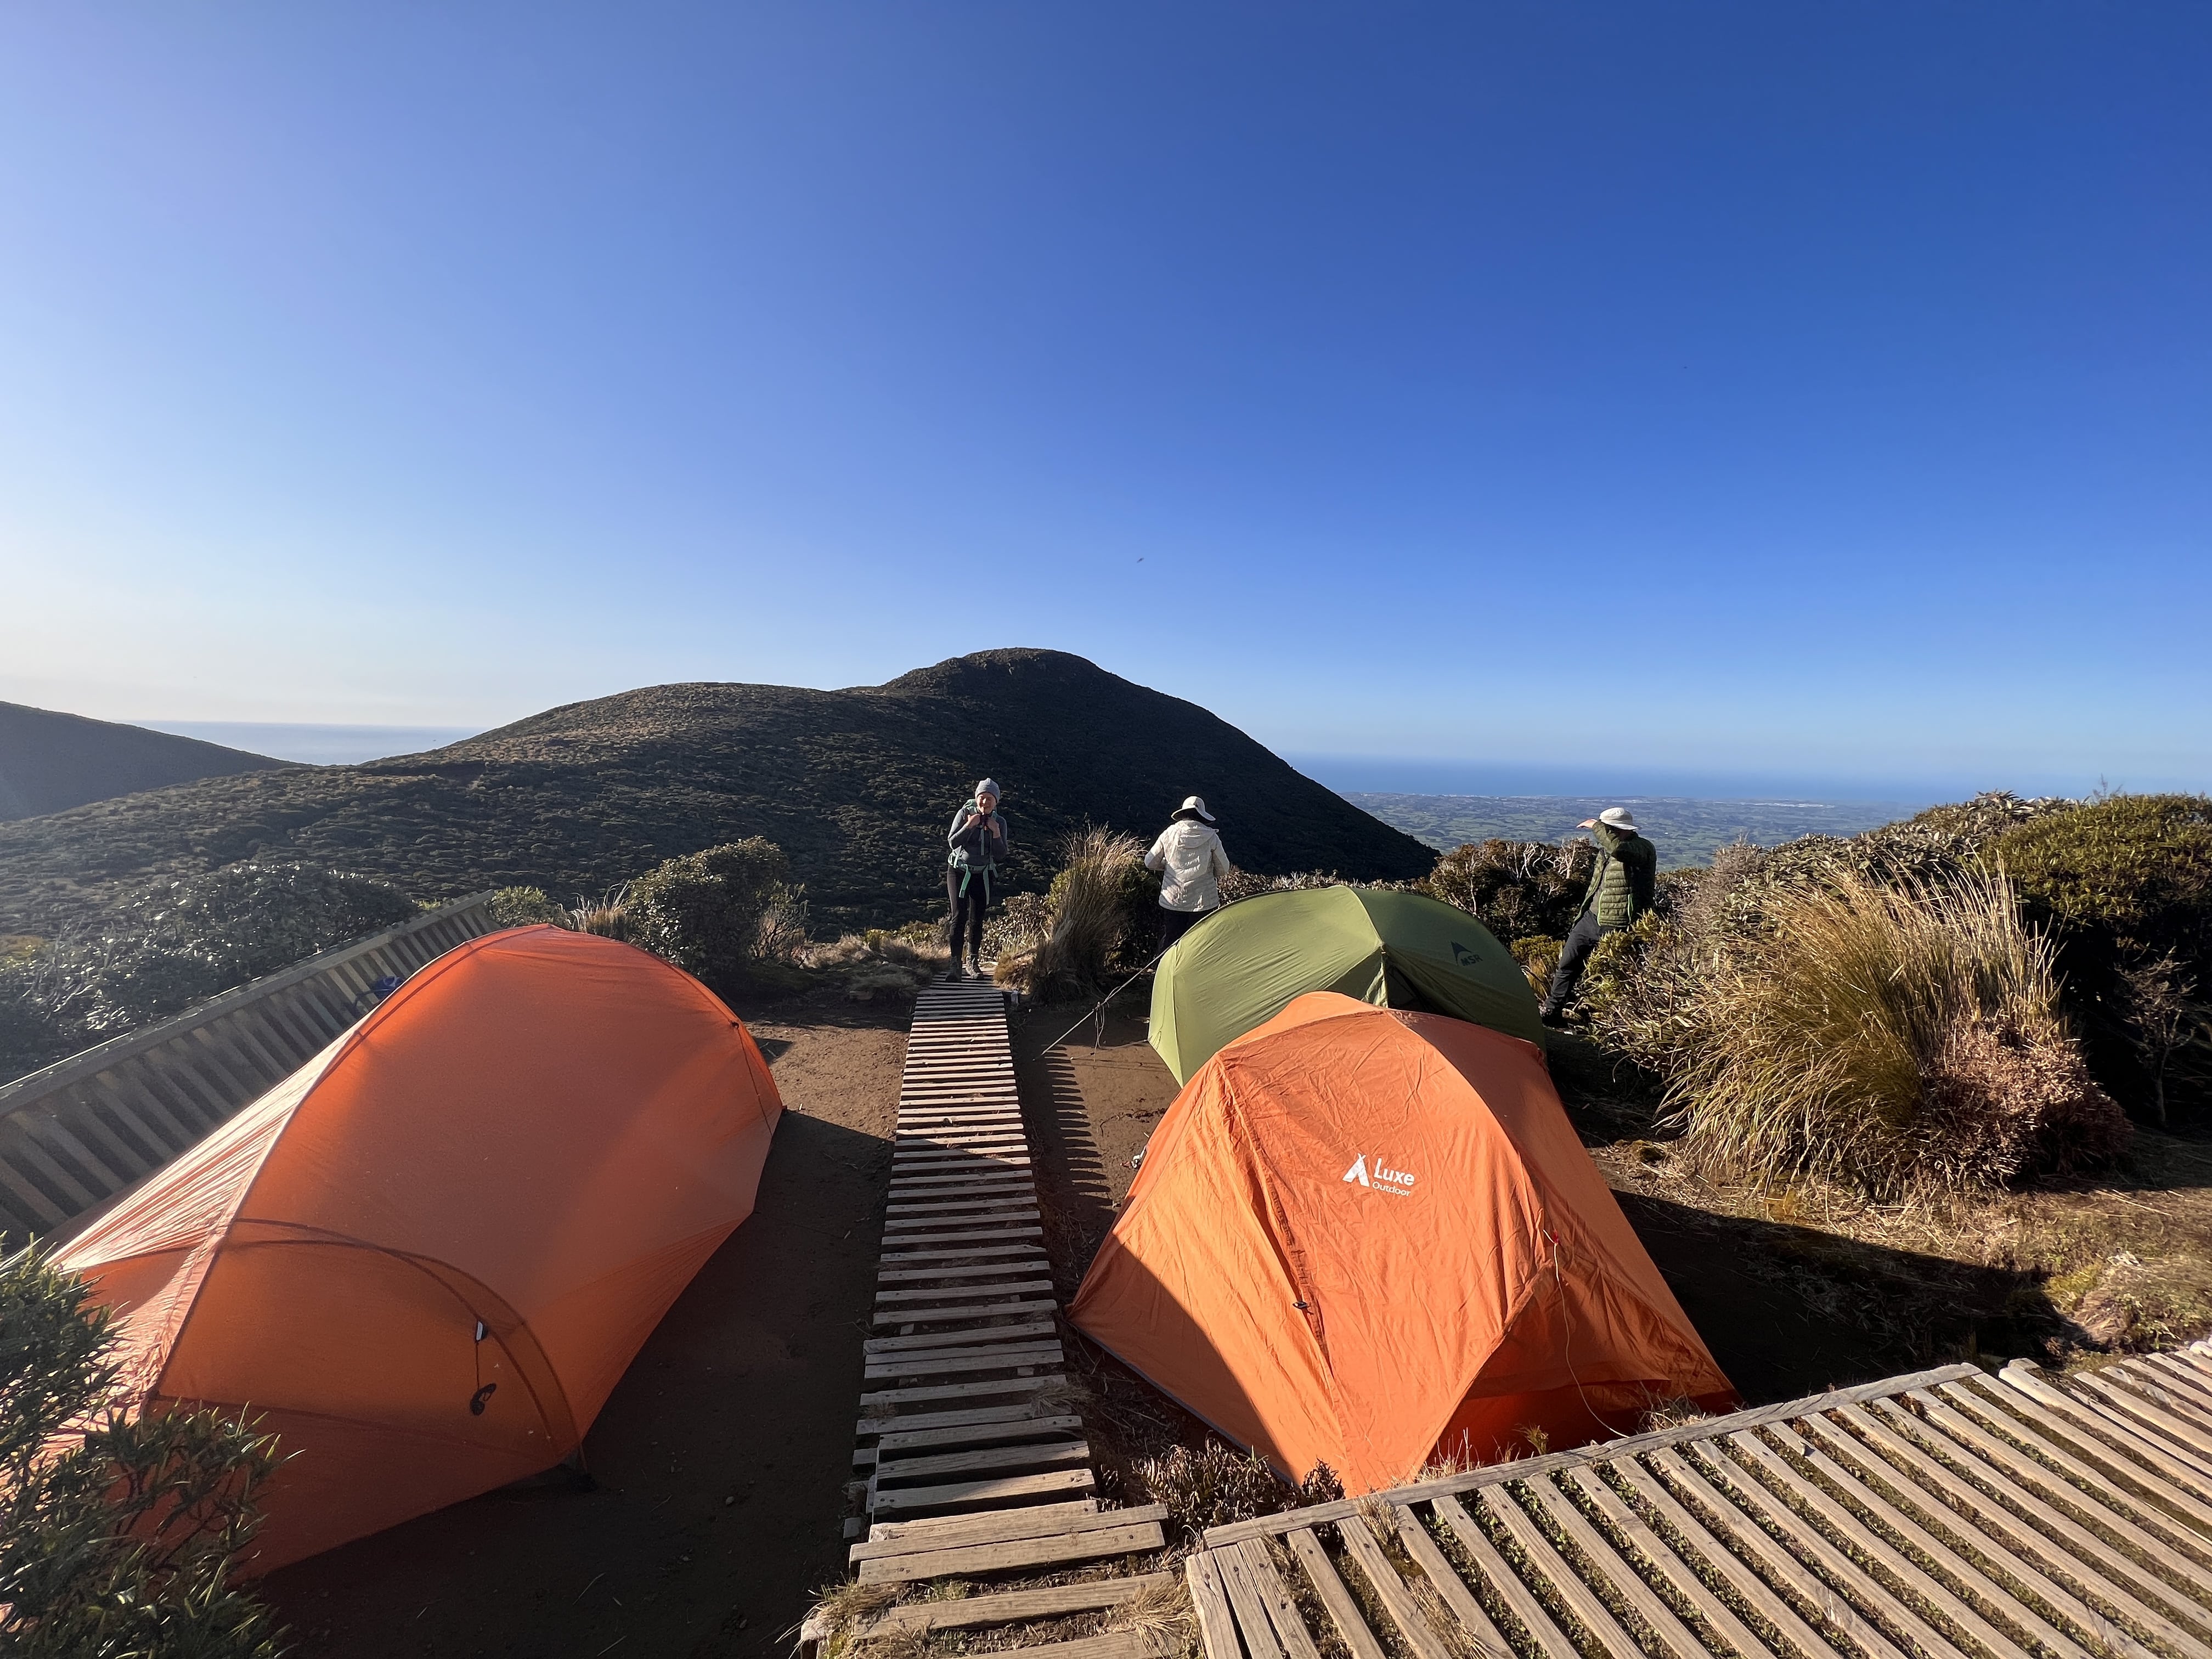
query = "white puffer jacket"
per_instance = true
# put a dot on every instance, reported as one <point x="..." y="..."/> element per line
<point x="1191" y="863"/>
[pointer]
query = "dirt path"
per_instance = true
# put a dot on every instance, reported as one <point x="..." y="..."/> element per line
<point x="721" y="1456"/>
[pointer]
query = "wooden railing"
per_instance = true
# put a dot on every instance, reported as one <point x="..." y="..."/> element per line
<point x="83" y="1129"/>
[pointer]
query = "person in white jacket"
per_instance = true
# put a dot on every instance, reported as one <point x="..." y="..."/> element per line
<point x="1191" y="863"/>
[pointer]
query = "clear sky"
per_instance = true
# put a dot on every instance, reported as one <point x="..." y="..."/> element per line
<point x="1753" y="389"/>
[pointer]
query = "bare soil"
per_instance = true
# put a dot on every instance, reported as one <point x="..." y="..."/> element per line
<point x="720" y="1461"/>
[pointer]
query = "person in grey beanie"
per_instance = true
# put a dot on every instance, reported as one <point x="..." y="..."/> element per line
<point x="978" y="841"/>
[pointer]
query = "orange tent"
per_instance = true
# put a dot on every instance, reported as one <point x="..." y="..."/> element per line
<point x="1363" y="1237"/>
<point x="426" y="1257"/>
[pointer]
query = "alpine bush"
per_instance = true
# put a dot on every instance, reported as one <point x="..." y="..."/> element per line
<point x="525" y="907"/>
<point x="720" y="914"/>
<point x="2124" y="885"/>
<point x="118" y="1530"/>
<point x="1516" y="889"/>
<point x="160" y="951"/>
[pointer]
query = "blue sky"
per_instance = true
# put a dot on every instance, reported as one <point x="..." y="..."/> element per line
<point x="1736" y="391"/>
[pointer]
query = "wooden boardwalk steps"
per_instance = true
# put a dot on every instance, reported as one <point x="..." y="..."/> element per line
<point x="77" y="1132"/>
<point x="969" y="1458"/>
<point x="1946" y="1514"/>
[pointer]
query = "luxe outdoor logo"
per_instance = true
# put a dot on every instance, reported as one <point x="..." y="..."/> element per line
<point x="1398" y="1183"/>
<point x="1462" y="955"/>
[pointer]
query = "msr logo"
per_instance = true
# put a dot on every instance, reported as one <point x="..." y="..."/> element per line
<point x="1396" y="1182"/>
<point x="1462" y="955"/>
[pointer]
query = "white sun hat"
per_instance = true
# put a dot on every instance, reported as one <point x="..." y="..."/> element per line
<point x="1613" y="818"/>
<point x="1192" y="804"/>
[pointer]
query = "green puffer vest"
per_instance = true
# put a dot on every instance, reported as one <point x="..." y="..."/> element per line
<point x="1627" y="878"/>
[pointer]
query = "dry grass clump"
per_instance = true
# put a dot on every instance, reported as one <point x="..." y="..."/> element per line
<point x="1161" y="1616"/>
<point x="607" y="915"/>
<point x="1213" y="1485"/>
<point x="1094" y="909"/>
<point x="1892" y="1037"/>
<point x="879" y="962"/>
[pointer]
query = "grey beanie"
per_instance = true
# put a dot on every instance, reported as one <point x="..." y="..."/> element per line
<point x="990" y="786"/>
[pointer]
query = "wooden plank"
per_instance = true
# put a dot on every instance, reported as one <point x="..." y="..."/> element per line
<point x="2051" y="1441"/>
<point x="1758" y="1595"/>
<point x="1114" y="1644"/>
<point x="923" y="1257"/>
<point x="1010" y="1607"/>
<point x="1679" y="1574"/>
<point x="973" y="1433"/>
<point x="1481" y="1635"/>
<point x="1543" y="1629"/>
<point x="2046" y="1572"/>
<point x="979" y="1209"/>
<point x="1784" y="1481"/>
<point x="1019" y="1411"/>
<point x="1343" y="1611"/>
<point x="902" y="1275"/>
<point x="2132" y="1403"/>
<point x="1276" y="1607"/>
<point x="1011" y="1287"/>
<point x="963" y="1360"/>
<point x="954" y="1339"/>
<point x="974" y="1459"/>
<point x="1824" y="1445"/>
<point x="961" y="1390"/>
<point x="904" y="1195"/>
<point x="2091" y="1425"/>
<point x="1050" y="1549"/>
<point x="1398" y="1603"/>
<point x="1496" y="1503"/>
<point x="1526" y="1468"/>
<point x="1604" y="1562"/>
<point x="982" y="1311"/>
<point x="938" y="1531"/>
<point x="913" y="1241"/>
<point x="1217" y="1625"/>
<point x="965" y="1494"/>
<point x="1252" y="1621"/>
<point x="2024" y="1479"/>
<point x="1725" y="1522"/>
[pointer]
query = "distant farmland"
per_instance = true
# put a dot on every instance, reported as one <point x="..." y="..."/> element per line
<point x="1685" y="831"/>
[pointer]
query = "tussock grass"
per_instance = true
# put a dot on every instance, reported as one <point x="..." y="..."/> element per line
<point x="1091" y="907"/>
<point x="1895" y="1038"/>
<point x="608" y="914"/>
<point x="1162" y="1616"/>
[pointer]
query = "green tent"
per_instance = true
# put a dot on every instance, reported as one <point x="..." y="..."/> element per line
<point x="1240" y="967"/>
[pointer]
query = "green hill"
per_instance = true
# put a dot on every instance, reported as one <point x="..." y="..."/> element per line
<point x="50" y="763"/>
<point x="858" y="787"/>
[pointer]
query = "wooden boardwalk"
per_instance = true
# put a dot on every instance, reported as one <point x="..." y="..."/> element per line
<point x="74" y="1135"/>
<point x="1947" y="1515"/>
<point x="970" y="1458"/>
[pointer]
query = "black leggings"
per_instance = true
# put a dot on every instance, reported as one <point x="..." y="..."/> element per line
<point x="1582" y="939"/>
<point x="967" y="909"/>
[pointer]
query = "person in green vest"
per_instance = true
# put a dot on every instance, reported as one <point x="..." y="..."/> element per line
<point x="1622" y="887"/>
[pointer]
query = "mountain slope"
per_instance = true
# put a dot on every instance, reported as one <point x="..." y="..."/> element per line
<point x="51" y="761"/>
<point x="857" y="785"/>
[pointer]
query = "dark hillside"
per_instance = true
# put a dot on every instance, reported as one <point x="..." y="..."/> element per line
<point x="50" y="763"/>
<point x="858" y="787"/>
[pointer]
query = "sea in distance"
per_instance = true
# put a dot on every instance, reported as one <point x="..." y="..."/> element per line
<point x="1685" y="829"/>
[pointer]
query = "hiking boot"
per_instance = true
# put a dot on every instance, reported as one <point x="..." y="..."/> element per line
<point x="974" y="969"/>
<point x="1550" y="1016"/>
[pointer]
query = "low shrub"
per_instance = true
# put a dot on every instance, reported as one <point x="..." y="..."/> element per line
<point x="118" y="1531"/>
<point x="1516" y="889"/>
<point x="2124" y="885"/>
<point x="1539" y="956"/>
<point x="1889" y="1037"/>
<point x="721" y="914"/>
<point x="525" y="907"/>
<point x="164" y="949"/>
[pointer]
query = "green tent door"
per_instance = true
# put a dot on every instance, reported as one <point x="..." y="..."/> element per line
<point x="1240" y="967"/>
